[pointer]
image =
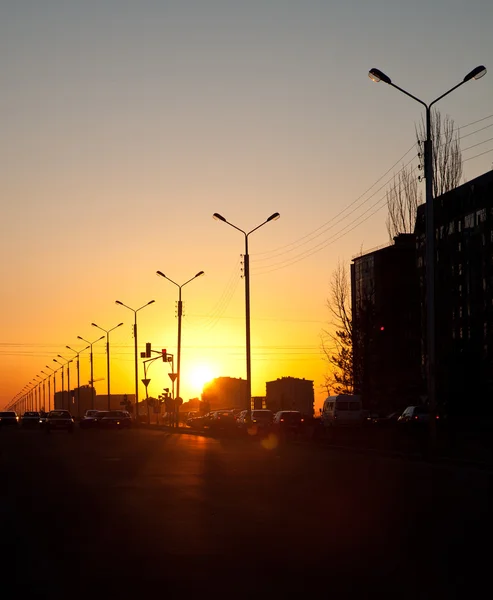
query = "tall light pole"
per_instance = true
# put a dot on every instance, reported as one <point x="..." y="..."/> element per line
<point x="54" y="386"/>
<point x="92" y="364"/>
<point x="107" y="331"/>
<point x="135" y="311"/>
<point x="377" y="75"/>
<point x="48" y="377"/>
<point x="67" y="362"/>
<point x="78" y="374"/>
<point x="180" y="313"/>
<point x="246" y="267"/>
<point x="41" y="381"/>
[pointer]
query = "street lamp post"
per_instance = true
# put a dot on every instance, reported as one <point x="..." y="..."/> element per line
<point x="107" y="331"/>
<point x="273" y="217"/>
<point x="377" y="76"/>
<point x="135" y="311"/>
<point x="92" y="364"/>
<point x="67" y="362"/>
<point x="180" y="313"/>
<point x="54" y="385"/>
<point x="41" y="381"/>
<point x="78" y="374"/>
<point x="48" y="377"/>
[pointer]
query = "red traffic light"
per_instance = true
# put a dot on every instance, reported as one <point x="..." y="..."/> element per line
<point x="165" y="356"/>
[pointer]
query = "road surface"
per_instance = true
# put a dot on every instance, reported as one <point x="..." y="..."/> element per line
<point x="135" y="513"/>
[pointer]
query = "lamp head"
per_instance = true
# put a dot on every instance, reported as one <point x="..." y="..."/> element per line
<point x="218" y="217"/>
<point x="274" y="217"/>
<point x="476" y="73"/>
<point x="161" y="274"/>
<point x="199" y="273"/>
<point x="376" y="75"/>
<point x="118" y="302"/>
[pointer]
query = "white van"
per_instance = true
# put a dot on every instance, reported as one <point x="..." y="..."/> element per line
<point x="344" y="409"/>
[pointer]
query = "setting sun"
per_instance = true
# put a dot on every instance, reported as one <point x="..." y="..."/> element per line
<point x="199" y="376"/>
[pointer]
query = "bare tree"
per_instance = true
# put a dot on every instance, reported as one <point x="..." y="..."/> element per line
<point x="337" y="343"/>
<point x="447" y="155"/>
<point x="402" y="203"/>
<point x="403" y="196"/>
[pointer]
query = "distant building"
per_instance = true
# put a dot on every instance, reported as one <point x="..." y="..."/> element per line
<point x="290" y="393"/>
<point x="84" y="398"/>
<point x="386" y="326"/>
<point x="225" y="392"/>
<point x="259" y="402"/>
<point x="463" y="221"/>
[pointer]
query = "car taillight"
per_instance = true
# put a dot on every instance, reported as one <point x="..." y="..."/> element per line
<point x="416" y="417"/>
<point x="282" y="420"/>
<point x="302" y="420"/>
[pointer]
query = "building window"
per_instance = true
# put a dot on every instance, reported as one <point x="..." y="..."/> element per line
<point x="459" y="247"/>
<point x="459" y="226"/>
<point x="460" y="268"/>
<point x="485" y="330"/>
<point x="481" y="215"/>
<point x="469" y="221"/>
<point x="460" y="312"/>
<point x="460" y="332"/>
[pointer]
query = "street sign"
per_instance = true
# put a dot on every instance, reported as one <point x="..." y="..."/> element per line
<point x="173" y="376"/>
<point x="146" y="382"/>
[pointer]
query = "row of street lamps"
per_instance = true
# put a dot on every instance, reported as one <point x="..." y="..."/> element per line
<point x="26" y="395"/>
<point x="377" y="76"/>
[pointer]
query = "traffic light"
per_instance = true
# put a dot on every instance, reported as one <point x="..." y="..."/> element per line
<point x="165" y="356"/>
<point x="148" y="350"/>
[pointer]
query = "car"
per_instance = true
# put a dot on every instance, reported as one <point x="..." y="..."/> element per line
<point x="288" y="422"/>
<point x="415" y="416"/>
<point x="9" y="418"/>
<point x="90" y="419"/>
<point x="383" y="420"/>
<point x="199" y="422"/>
<point x="221" y="422"/>
<point x="59" y="420"/>
<point x="256" y="421"/>
<point x="30" y="419"/>
<point x="114" y="419"/>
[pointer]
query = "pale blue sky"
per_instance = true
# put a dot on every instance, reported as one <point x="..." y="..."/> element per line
<point x="126" y="124"/>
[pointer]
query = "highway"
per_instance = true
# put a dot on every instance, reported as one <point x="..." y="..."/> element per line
<point x="145" y="512"/>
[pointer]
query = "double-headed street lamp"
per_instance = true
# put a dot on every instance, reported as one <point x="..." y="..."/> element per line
<point x="377" y="75"/>
<point x="78" y="374"/>
<point x="67" y="362"/>
<point x="135" y="311"/>
<point x="180" y="313"/>
<point x="107" y="331"/>
<point x="246" y="267"/>
<point x="92" y="364"/>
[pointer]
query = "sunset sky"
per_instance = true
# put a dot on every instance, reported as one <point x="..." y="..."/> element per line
<point x="127" y="124"/>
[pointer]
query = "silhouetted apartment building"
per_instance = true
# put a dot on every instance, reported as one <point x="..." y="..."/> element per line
<point x="386" y="326"/>
<point x="463" y="222"/>
<point x="290" y="393"/>
<point x="225" y="392"/>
